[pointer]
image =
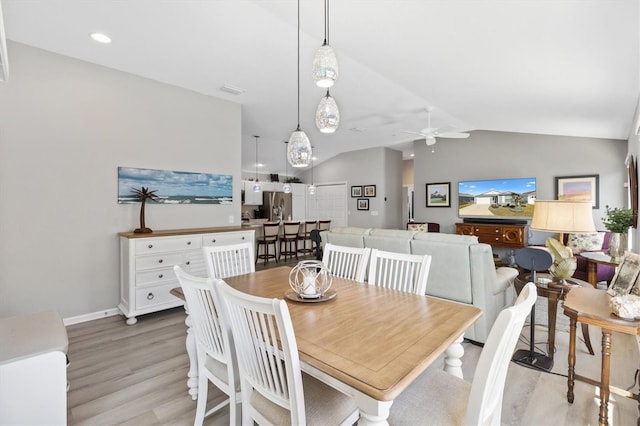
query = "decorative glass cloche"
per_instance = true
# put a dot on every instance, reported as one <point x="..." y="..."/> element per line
<point x="310" y="279"/>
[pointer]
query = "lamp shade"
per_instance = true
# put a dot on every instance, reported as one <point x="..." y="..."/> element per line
<point x="325" y="66"/>
<point x="327" y="114"/>
<point x="299" y="149"/>
<point x="563" y="216"/>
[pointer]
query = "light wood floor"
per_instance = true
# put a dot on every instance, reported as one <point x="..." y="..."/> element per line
<point x="136" y="375"/>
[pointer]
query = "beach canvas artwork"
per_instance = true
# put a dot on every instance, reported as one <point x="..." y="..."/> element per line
<point x="174" y="187"/>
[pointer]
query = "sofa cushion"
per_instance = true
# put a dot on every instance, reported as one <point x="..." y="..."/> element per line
<point x="450" y="272"/>
<point x="350" y="230"/>
<point x="398" y="245"/>
<point x="579" y="242"/>
<point x="394" y="233"/>
<point x="450" y="238"/>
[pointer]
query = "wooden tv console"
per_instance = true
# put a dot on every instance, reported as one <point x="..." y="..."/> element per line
<point x="496" y="235"/>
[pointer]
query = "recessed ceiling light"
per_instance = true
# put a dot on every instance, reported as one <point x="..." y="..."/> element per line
<point x="100" y="38"/>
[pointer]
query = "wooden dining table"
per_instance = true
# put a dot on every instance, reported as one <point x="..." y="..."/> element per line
<point x="367" y="341"/>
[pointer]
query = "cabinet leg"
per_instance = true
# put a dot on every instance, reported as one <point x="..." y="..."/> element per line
<point x="132" y="320"/>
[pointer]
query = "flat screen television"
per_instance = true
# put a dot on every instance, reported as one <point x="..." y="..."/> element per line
<point x="500" y="199"/>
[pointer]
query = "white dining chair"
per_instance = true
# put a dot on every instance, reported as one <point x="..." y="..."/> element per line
<point x="439" y="398"/>
<point x="399" y="271"/>
<point x="215" y="350"/>
<point x="274" y="390"/>
<point x="346" y="262"/>
<point x="229" y="260"/>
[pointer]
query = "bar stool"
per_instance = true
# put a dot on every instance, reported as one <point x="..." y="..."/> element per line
<point x="305" y="235"/>
<point x="269" y="237"/>
<point x="324" y="225"/>
<point x="290" y="240"/>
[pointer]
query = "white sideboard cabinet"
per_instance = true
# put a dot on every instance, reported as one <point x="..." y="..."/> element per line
<point x="147" y="260"/>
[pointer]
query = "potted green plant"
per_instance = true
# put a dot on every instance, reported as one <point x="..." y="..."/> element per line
<point x="618" y="221"/>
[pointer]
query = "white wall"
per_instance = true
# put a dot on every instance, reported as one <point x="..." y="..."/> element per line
<point x="65" y="127"/>
<point x="494" y="155"/>
<point x="376" y="166"/>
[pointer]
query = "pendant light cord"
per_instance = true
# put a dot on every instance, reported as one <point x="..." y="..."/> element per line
<point x="256" y="157"/>
<point x="326" y="21"/>
<point x="298" y="128"/>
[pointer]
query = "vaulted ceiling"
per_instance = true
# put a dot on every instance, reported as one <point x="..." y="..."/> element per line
<point x="561" y="67"/>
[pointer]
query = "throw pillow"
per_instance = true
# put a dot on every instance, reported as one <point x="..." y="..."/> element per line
<point x="585" y="242"/>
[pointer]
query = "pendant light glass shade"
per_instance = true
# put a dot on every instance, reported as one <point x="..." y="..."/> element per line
<point x="257" y="187"/>
<point x="286" y="188"/>
<point x="299" y="149"/>
<point x="327" y="114"/>
<point x="325" y="66"/>
<point x="312" y="189"/>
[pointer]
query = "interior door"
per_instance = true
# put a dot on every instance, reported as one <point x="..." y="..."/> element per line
<point x="329" y="202"/>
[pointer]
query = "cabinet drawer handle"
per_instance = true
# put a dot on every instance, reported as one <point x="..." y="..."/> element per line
<point x="188" y="243"/>
<point x="150" y="296"/>
<point x="213" y="241"/>
<point x="150" y="246"/>
<point x="161" y="275"/>
<point x="160" y="261"/>
<point x="188" y="263"/>
<point x="243" y="238"/>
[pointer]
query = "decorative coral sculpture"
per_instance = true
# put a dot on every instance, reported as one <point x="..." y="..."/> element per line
<point x="143" y="194"/>
<point x="564" y="263"/>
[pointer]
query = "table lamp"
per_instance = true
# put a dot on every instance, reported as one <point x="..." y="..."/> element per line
<point x="562" y="217"/>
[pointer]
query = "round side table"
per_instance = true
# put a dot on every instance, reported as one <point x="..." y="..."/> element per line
<point x="554" y="291"/>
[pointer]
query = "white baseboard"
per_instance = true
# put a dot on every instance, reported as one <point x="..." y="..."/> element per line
<point x="91" y="316"/>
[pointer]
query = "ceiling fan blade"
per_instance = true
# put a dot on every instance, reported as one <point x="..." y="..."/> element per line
<point x="413" y="133"/>
<point x="453" y="135"/>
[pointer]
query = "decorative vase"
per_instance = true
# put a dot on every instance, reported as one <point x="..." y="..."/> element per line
<point x="618" y="245"/>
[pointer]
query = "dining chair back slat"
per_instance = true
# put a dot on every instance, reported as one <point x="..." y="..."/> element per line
<point x="215" y="351"/>
<point x="346" y="262"/>
<point x="271" y="378"/>
<point x="399" y="271"/>
<point x="230" y="260"/>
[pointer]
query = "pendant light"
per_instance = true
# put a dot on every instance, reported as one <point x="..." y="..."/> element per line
<point x="325" y="64"/>
<point x="256" y="186"/>
<point x="286" y="188"/>
<point x="299" y="149"/>
<point x="327" y="114"/>
<point x="312" y="187"/>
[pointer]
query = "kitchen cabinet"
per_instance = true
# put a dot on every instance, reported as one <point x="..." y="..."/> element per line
<point x="251" y="198"/>
<point x="299" y="201"/>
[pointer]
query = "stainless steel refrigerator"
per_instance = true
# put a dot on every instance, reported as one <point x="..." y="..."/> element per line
<point x="276" y="206"/>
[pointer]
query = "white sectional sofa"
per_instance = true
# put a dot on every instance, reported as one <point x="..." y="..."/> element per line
<point x="462" y="270"/>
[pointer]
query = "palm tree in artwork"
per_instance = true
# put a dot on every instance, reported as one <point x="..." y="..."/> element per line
<point x="143" y="194"/>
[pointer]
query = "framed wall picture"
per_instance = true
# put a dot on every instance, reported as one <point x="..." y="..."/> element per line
<point x="578" y="188"/>
<point x="624" y="280"/>
<point x="363" y="204"/>
<point x="356" y="191"/>
<point x="439" y="194"/>
<point x="369" y="190"/>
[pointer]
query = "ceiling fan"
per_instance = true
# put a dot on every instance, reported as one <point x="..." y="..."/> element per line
<point x="431" y="133"/>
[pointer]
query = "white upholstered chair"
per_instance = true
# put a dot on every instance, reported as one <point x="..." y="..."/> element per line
<point x="346" y="262"/>
<point x="230" y="260"/>
<point x="216" y="353"/>
<point x="274" y="390"/>
<point x="438" y="398"/>
<point x="399" y="271"/>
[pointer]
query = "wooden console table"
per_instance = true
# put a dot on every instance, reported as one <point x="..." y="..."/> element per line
<point x="591" y="306"/>
<point x="496" y="235"/>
